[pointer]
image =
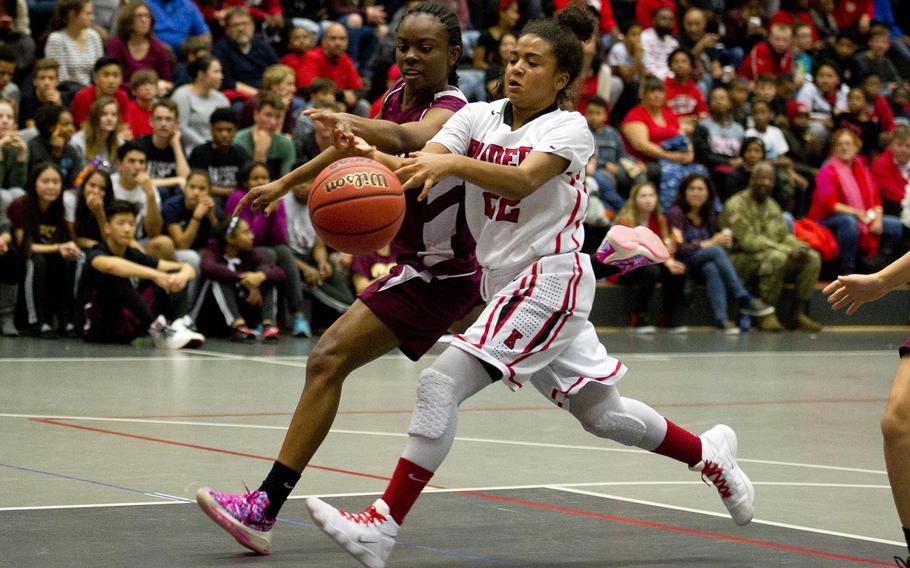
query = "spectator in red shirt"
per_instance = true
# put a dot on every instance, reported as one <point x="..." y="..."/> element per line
<point x="854" y="14"/>
<point x="650" y="123"/>
<point x="143" y="85"/>
<point x="330" y="61"/>
<point x="795" y="12"/>
<point x="774" y="56"/>
<point x="891" y="171"/>
<point x="300" y="41"/>
<point x="106" y="78"/>
<point x="644" y="11"/>
<point x="684" y="98"/>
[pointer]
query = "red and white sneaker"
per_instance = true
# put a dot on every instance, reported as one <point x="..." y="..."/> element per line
<point x="243" y="516"/>
<point x="368" y="536"/>
<point x="719" y="466"/>
<point x="628" y="248"/>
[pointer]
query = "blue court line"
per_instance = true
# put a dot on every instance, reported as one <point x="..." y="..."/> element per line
<point x="295" y="522"/>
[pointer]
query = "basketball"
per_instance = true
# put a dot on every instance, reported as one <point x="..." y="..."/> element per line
<point x="356" y="205"/>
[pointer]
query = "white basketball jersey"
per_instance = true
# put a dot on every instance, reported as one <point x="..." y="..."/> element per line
<point x="514" y="233"/>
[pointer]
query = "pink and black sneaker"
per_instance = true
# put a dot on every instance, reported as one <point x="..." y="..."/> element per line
<point x="628" y="248"/>
<point x="241" y="515"/>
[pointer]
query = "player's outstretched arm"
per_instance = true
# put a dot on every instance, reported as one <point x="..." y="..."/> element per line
<point x="389" y="137"/>
<point x="854" y="290"/>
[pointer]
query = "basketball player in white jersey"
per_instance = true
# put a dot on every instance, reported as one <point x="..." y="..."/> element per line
<point x="522" y="161"/>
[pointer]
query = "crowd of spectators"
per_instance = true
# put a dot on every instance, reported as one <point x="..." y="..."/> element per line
<point x="764" y="140"/>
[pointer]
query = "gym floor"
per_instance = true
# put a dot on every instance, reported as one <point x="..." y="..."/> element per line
<point x="103" y="448"/>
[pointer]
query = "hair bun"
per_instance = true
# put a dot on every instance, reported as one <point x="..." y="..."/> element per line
<point x="578" y="20"/>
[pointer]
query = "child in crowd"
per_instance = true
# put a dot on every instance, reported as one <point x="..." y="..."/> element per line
<point x="167" y="163"/>
<point x="683" y="96"/>
<point x="144" y="85"/>
<point x="191" y="50"/>
<point x="13" y="152"/>
<point x="775" y="143"/>
<point x="50" y="256"/>
<point x="802" y="53"/>
<point x="300" y="40"/>
<point x="55" y="129"/>
<point x="270" y="238"/>
<point x="107" y="77"/>
<point x="280" y="80"/>
<point x="740" y="110"/>
<point x="856" y="119"/>
<point x="44" y="91"/>
<point x="264" y="141"/>
<point x="99" y="137"/>
<point x="766" y="91"/>
<point x="8" y="89"/>
<point x="879" y="108"/>
<point x="875" y="59"/>
<point x="114" y="309"/>
<point x="614" y="169"/>
<point x="641" y="209"/>
<point x="321" y="90"/>
<point x="220" y="157"/>
<point x="189" y="218"/>
<point x="83" y="209"/>
<point x="323" y="282"/>
<point x="239" y="289"/>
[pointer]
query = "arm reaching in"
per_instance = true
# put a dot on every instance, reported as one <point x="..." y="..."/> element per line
<point x="854" y="290"/>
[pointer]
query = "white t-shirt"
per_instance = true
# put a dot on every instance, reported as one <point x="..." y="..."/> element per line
<point x="655" y="51"/>
<point x="301" y="234"/>
<point x="513" y="234"/>
<point x="775" y="143"/>
<point x="138" y="197"/>
<point x="69" y="205"/>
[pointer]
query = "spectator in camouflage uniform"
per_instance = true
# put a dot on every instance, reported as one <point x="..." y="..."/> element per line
<point x="764" y="250"/>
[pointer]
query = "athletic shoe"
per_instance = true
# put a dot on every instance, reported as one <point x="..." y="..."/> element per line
<point x="45" y="331"/>
<point x="630" y="248"/>
<point x="728" y="328"/>
<point x="678" y="329"/>
<point x="755" y="307"/>
<point x="243" y="334"/>
<point x="368" y="536"/>
<point x="270" y="333"/>
<point x="302" y="326"/>
<point x="243" y="516"/>
<point x="166" y="337"/>
<point x="185" y="324"/>
<point x="718" y="465"/>
<point x="8" y="326"/>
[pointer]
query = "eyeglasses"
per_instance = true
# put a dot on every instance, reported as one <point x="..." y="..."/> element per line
<point x="141" y="16"/>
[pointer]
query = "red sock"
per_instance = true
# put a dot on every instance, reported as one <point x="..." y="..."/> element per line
<point x="680" y="445"/>
<point x="407" y="482"/>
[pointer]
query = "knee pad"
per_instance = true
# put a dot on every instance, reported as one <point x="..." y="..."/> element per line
<point x="622" y="428"/>
<point x="435" y="403"/>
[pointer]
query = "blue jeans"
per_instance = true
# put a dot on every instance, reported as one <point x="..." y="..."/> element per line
<point x="846" y="231"/>
<point x="721" y="280"/>
<point x="607" y="185"/>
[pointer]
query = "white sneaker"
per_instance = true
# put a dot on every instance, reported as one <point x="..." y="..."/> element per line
<point x="629" y="248"/>
<point x="718" y="465"/>
<point x="185" y="324"/>
<point x="166" y="337"/>
<point x="368" y="536"/>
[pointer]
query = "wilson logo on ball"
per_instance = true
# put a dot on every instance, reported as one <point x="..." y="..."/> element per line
<point x="358" y="180"/>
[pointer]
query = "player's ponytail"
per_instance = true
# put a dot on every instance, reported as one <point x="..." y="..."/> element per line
<point x="565" y="32"/>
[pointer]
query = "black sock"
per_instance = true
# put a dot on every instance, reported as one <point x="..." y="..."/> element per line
<point x="907" y="537"/>
<point x="278" y="485"/>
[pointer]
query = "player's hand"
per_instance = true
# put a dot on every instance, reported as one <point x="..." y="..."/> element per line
<point x="323" y="116"/>
<point x="423" y="171"/>
<point x="853" y="291"/>
<point x="265" y="198"/>
<point x="351" y="144"/>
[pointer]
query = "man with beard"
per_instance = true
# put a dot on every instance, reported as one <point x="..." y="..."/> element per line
<point x="243" y="57"/>
<point x="657" y="43"/>
<point x="767" y="253"/>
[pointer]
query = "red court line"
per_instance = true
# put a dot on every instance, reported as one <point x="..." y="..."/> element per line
<point x="528" y="408"/>
<point x="717" y="536"/>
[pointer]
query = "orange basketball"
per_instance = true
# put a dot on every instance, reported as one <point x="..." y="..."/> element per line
<point x="356" y="205"/>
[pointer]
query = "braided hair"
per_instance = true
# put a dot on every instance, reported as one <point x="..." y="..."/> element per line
<point x="450" y="24"/>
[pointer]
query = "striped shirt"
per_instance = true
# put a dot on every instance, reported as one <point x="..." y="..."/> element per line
<point x="75" y="63"/>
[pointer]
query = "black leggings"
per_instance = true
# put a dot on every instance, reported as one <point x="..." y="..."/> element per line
<point x="47" y="289"/>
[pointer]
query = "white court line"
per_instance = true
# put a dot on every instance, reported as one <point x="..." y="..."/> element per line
<point x="405" y="435"/>
<point x="725" y="516"/>
<point x="563" y="487"/>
